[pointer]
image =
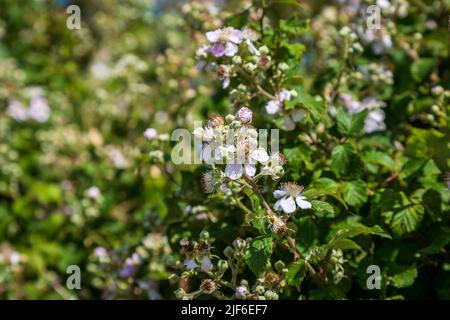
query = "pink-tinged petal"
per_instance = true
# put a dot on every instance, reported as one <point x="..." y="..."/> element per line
<point x="279" y="193"/>
<point x="302" y="203"/>
<point x="288" y="204"/>
<point x="234" y="171"/>
<point x="273" y="107"/>
<point x="250" y="169"/>
<point x="288" y="123"/>
<point x="230" y="49"/>
<point x="218" y="50"/>
<point x="213" y="36"/>
<point x="199" y="66"/>
<point x="235" y="36"/>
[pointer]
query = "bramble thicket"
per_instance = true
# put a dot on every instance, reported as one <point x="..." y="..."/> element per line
<point x="354" y="98"/>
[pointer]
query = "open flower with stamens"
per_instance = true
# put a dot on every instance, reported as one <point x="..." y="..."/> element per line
<point x="236" y="169"/>
<point x="290" y="197"/>
<point x="224" y="42"/>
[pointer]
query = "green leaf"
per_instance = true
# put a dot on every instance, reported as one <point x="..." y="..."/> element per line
<point x="326" y="185"/>
<point x="441" y="239"/>
<point x="346" y="244"/>
<point x="422" y="68"/>
<point x="379" y="158"/>
<point x="358" y="230"/>
<point x="350" y="125"/>
<point x="354" y="192"/>
<point x="306" y="101"/>
<point x="294" y="26"/>
<point x="407" y="219"/>
<point x="405" y="278"/>
<point x="296" y="273"/>
<point x="340" y="158"/>
<point x="256" y="218"/>
<point x="412" y="168"/>
<point x="353" y="232"/>
<point x="322" y="209"/>
<point x="257" y="254"/>
<point x="288" y="2"/>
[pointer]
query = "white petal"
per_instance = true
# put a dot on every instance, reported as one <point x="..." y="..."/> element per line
<point x="250" y="169"/>
<point x="206" y="153"/>
<point x="304" y="204"/>
<point x="284" y="95"/>
<point x="277" y="205"/>
<point x="260" y="155"/>
<point x="226" y="83"/>
<point x="190" y="264"/>
<point x="234" y="171"/>
<point x="288" y="204"/>
<point x="279" y="193"/>
<point x="288" y="123"/>
<point x="298" y="115"/>
<point x="252" y="48"/>
<point x="206" y="264"/>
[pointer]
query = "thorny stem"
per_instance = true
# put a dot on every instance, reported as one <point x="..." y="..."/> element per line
<point x="256" y="190"/>
<point x="265" y="93"/>
<point x="240" y="204"/>
<point x="291" y="242"/>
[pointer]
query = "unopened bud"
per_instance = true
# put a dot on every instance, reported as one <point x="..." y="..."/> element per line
<point x="222" y="265"/>
<point x="228" y="252"/>
<point x="204" y="235"/>
<point x="263" y="50"/>
<point x="239" y="243"/>
<point x="250" y="67"/>
<point x="279" y="265"/>
<point x="260" y="290"/>
<point x="270" y="295"/>
<point x="230" y="118"/>
<point x="236" y="60"/>
<point x="283" y="66"/>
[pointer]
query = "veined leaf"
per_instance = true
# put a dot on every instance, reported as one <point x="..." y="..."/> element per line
<point x="354" y="192"/>
<point x="350" y="125"/>
<point x="340" y="158"/>
<point x="356" y="231"/>
<point x="258" y="253"/>
<point x="322" y="209"/>
<point x="296" y="273"/>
